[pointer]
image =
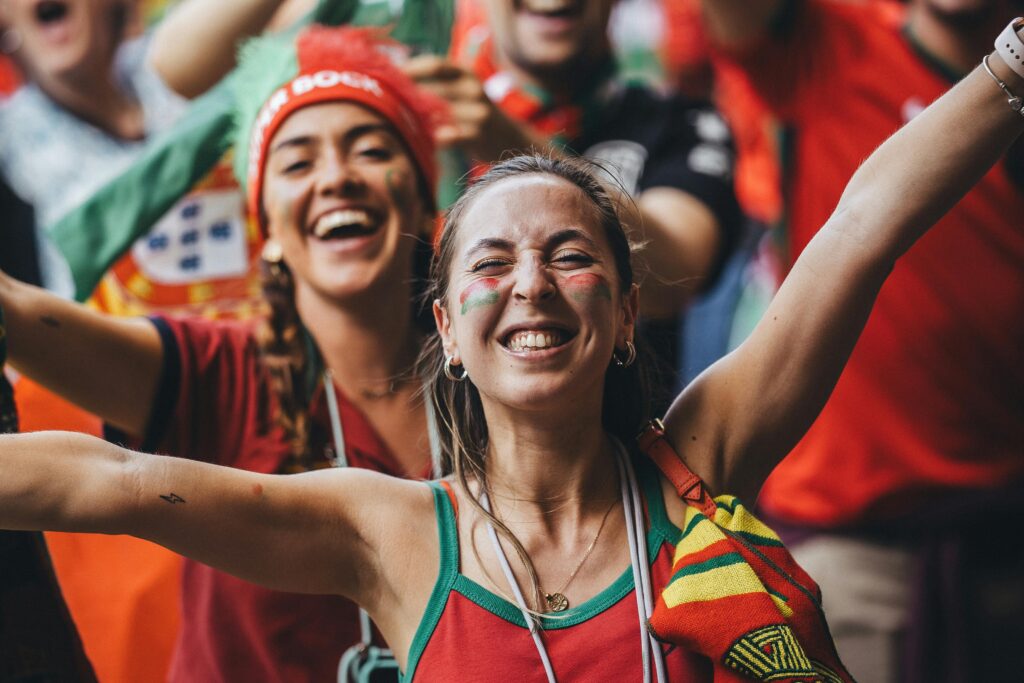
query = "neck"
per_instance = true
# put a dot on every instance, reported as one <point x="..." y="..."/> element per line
<point x="958" y="40"/>
<point x="545" y="464"/>
<point x="94" y="97"/>
<point x="562" y="84"/>
<point x="366" y="351"/>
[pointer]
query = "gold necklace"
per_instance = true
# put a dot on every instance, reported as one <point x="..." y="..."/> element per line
<point x="557" y="602"/>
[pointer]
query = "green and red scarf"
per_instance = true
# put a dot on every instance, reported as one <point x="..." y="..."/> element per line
<point x="562" y="119"/>
<point x="736" y="595"/>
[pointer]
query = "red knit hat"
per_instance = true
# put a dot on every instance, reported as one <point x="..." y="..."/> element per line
<point x="348" y="65"/>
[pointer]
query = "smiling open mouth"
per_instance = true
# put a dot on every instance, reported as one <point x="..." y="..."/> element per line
<point x="551" y="8"/>
<point x="526" y="341"/>
<point x="51" y="11"/>
<point x="345" y="223"/>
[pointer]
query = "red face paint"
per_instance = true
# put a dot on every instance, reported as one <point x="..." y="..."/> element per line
<point x="587" y="286"/>
<point x="483" y="292"/>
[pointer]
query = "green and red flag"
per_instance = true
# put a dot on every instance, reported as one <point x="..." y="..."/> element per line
<point x="95" y="235"/>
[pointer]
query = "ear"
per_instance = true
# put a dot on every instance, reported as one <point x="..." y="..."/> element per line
<point x="444" y="328"/>
<point x="630" y="311"/>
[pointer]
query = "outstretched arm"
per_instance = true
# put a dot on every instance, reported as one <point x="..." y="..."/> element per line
<point x="745" y="413"/>
<point x="109" y="366"/>
<point x="315" y="532"/>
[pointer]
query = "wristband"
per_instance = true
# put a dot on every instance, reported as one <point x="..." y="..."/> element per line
<point x="1010" y="47"/>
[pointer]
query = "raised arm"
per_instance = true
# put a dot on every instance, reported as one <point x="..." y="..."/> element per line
<point x="212" y="31"/>
<point x="746" y="412"/>
<point x="318" y="532"/>
<point x="109" y="366"/>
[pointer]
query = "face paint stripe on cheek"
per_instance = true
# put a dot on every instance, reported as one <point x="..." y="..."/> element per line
<point x="483" y="292"/>
<point x="587" y="286"/>
<point x="395" y="180"/>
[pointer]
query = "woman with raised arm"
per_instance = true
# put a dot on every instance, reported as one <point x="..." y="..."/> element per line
<point x="345" y="197"/>
<point x="535" y="383"/>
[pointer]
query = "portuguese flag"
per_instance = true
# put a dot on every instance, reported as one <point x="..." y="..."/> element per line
<point x="96" y="234"/>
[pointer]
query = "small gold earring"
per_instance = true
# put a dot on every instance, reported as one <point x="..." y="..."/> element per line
<point x="272" y="252"/>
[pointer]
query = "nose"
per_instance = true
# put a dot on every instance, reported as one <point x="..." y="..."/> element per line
<point x="338" y="177"/>
<point x="533" y="282"/>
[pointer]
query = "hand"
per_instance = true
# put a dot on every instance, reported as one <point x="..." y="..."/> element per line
<point x="477" y="125"/>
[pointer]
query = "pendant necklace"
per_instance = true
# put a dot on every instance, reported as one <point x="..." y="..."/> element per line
<point x="557" y="602"/>
<point x="651" y="655"/>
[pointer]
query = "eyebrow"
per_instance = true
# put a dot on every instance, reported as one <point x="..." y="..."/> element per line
<point x="560" y="237"/>
<point x="488" y="243"/>
<point x="568" y="235"/>
<point x="349" y="136"/>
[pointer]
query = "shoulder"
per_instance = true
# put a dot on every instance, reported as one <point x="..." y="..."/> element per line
<point x="24" y="115"/>
<point x="195" y="346"/>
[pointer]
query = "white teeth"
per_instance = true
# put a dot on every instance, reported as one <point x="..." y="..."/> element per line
<point x="521" y="341"/>
<point x="336" y="219"/>
<point x="546" y="5"/>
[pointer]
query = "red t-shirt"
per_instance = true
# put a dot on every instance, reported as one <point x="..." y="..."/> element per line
<point x="217" y="406"/>
<point x="931" y="398"/>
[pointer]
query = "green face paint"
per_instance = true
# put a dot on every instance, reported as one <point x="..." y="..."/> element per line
<point x="483" y="292"/>
<point x="394" y="181"/>
<point x="587" y="286"/>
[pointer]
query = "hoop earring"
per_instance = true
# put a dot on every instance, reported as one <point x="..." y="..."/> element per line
<point x="630" y="356"/>
<point x="451" y="375"/>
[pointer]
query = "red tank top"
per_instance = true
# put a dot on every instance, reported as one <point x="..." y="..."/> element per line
<point x="470" y="634"/>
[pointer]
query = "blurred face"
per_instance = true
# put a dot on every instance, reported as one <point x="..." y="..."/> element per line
<point x="534" y="308"/>
<point x="63" y="39"/>
<point x="341" y="196"/>
<point x="970" y="15"/>
<point x="550" y="37"/>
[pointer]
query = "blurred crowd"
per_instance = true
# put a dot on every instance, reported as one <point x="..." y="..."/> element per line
<point x="732" y="127"/>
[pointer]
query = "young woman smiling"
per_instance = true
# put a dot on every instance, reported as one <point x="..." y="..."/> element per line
<point x="336" y="150"/>
<point x="534" y="381"/>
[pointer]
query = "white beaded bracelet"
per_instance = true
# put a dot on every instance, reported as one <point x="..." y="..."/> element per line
<point x="1010" y="47"/>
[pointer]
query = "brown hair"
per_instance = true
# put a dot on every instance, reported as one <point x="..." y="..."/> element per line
<point x="283" y="354"/>
<point x="463" y="429"/>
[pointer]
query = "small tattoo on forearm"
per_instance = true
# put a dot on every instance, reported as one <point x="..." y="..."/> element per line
<point x="49" y="321"/>
<point x="173" y="499"/>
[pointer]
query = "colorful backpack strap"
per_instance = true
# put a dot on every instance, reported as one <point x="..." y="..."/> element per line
<point x="688" y="485"/>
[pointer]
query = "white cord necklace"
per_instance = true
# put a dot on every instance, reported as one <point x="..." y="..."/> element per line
<point x="341" y="460"/>
<point x="637" y="538"/>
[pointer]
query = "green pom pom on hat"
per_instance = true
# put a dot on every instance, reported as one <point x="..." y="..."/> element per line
<point x="264" y="65"/>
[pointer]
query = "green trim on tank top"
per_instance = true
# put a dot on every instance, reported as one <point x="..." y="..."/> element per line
<point x="661" y="531"/>
<point x="448" y="571"/>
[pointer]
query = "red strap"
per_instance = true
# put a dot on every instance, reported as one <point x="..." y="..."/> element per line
<point x="688" y="485"/>
<point x="451" y="497"/>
